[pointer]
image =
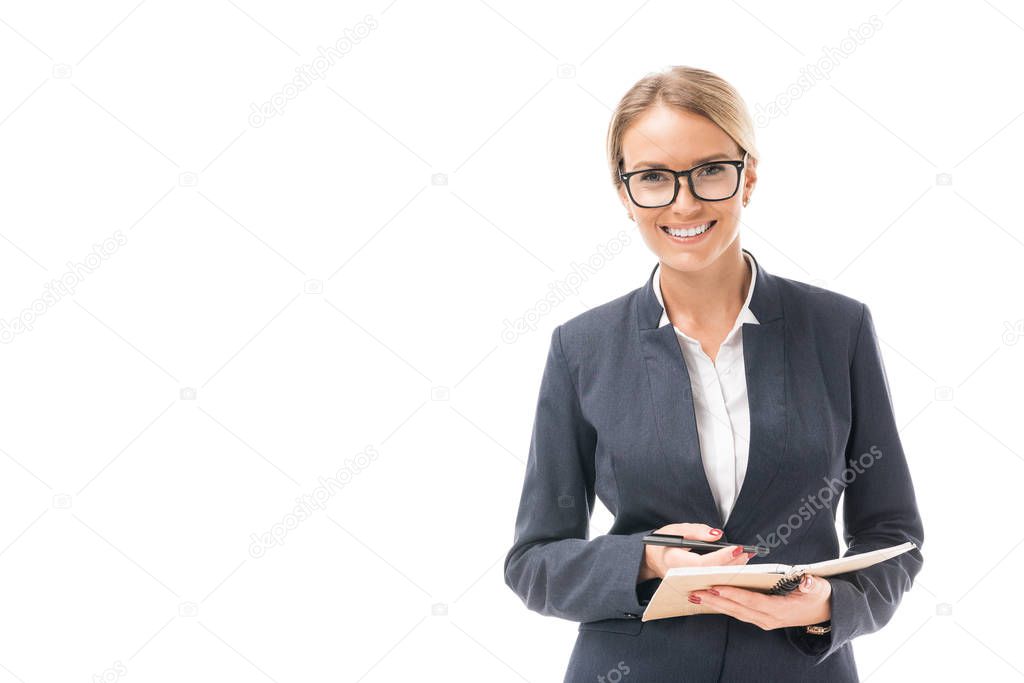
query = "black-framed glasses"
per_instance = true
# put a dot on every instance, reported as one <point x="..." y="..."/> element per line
<point x="713" y="181"/>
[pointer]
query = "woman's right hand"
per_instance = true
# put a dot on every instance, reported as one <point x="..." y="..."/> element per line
<point x="658" y="559"/>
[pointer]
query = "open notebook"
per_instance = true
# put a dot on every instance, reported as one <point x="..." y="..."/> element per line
<point x="671" y="598"/>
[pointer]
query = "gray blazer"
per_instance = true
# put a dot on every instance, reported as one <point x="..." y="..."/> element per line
<point x="615" y="419"/>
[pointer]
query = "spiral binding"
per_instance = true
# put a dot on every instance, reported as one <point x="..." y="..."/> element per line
<point x="785" y="585"/>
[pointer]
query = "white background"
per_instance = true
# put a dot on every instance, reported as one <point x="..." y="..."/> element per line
<point x="128" y="512"/>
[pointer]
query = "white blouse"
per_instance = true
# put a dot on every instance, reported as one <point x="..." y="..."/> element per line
<point x="720" y="401"/>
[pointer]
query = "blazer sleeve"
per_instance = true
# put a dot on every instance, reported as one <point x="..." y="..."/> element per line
<point x="552" y="566"/>
<point x="880" y="508"/>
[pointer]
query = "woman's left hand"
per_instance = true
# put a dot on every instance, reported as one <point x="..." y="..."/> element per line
<point x="809" y="604"/>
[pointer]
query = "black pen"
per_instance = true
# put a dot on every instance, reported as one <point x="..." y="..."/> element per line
<point x="699" y="547"/>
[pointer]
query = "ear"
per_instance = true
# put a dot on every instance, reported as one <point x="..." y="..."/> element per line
<point x="749" y="176"/>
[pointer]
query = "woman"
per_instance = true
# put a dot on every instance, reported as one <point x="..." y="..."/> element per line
<point x="718" y="402"/>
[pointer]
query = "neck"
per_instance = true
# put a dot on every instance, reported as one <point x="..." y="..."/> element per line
<point x="709" y="297"/>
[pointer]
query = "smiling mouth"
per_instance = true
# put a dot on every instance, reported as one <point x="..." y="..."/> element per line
<point x="689" y="232"/>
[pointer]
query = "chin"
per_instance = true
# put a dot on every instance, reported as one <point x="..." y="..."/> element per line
<point x="694" y="258"/>
<point x="687" y="262"/>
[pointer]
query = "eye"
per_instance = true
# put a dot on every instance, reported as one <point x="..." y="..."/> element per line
<point x="653" y="176"/>
<point x="712" y="170"/>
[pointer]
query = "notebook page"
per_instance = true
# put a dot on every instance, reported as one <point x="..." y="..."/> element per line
<point x="854" y="562"/>
<point x="765" y="568"/>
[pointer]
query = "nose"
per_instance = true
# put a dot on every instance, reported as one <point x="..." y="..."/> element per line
<point x="685" y="201"/>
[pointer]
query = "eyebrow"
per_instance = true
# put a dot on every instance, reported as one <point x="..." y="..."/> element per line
<point x="698" y="162"/>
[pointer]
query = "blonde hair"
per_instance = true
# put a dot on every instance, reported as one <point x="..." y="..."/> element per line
<point x="694" y="90"/>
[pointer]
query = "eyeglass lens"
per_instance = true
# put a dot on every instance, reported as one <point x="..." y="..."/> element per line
<point x="711" y="182"/>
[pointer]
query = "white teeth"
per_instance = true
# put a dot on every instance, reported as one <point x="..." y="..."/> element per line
<point x="691" y="232"/>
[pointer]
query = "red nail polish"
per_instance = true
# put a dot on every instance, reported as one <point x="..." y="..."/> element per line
<point x="695" y="599"/>
<point x="713" y="591"/>
<point x="737" y="551"/>
<point x="716" y="532"/>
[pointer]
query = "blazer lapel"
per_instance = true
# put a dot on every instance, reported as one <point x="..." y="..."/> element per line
<point x="764" y="360"/>
<point x="677" y="424"/>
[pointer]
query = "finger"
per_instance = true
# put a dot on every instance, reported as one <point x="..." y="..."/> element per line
<point x="726" y="555"/>
<point x="722" y="604"/>
<point x="814" y="585"/>
<point x="741" y="558"/>
<point x="699" y="532"/>
<point x="759" y="602"/>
